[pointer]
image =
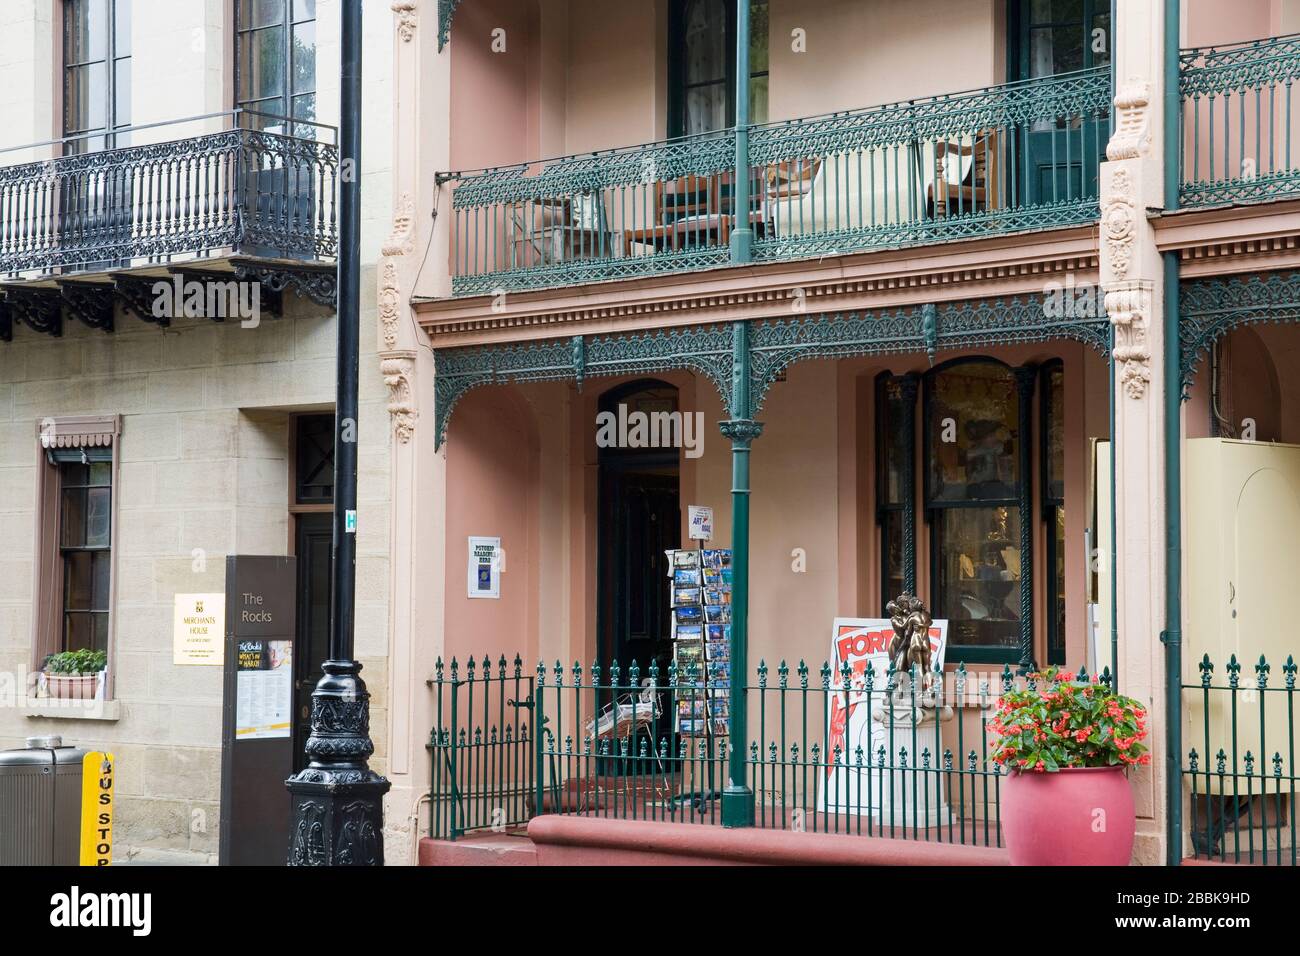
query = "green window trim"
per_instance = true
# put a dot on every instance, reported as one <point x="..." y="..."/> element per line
<point x="758" y="74"/>
<point x="1018" y="503"/>
<point x="1052" y="497"/>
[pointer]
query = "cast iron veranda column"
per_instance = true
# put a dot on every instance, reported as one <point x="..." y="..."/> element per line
<point x="338" y="801"/>
<point x="737" y="797"/>
<point x="742" y="233"/>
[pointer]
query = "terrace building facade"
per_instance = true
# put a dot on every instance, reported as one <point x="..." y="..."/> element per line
<point x="984" y="298"/>
<point x="984" y="301"/>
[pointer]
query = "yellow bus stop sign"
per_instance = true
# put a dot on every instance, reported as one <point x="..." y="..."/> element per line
<point x="97" y="809"/>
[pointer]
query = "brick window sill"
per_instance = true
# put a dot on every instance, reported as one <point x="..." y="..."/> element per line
<point x="71" y="709"/>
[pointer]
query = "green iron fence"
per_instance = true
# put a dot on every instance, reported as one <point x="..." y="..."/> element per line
<point x="1019" y="156"/>
<point x="1240" y="770"/>
<point x="642" y="744"/>
<point x="1238" y="112"/>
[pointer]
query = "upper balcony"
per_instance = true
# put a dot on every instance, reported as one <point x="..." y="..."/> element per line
<point x="1008" y="158"/>
<point x="224" y="196"/>
<point x="993" y="120"/>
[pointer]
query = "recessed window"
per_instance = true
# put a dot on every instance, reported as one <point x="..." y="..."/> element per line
<point x="96" y="74"/>
<point x="275" y="64"/>
<point x="73" y="603"/>
<point x="85" y="535"/>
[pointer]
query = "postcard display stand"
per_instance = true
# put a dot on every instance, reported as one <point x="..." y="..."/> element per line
<point x="701" y="604"/>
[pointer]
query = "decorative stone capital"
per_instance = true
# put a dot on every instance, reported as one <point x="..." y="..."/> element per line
<point x="402" y="239"/>
<point x="398" y="370"/>
<point x="407" y="20"/>
<point x="1129" y="308"/>
<point x="741" y="431"/>
<point x="1132" y="136"/>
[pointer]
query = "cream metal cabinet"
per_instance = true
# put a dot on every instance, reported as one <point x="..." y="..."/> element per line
<point x="1242" y="597"/>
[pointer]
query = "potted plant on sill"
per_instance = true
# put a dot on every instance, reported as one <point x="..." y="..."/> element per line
<point x="74" y="675"/>
<point x="1068" y="744"/>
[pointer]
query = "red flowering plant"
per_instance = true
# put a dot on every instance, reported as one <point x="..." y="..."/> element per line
<point x="1057" y="721"/>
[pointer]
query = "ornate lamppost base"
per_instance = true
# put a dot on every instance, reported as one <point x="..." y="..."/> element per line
<point x="338" y="801"/>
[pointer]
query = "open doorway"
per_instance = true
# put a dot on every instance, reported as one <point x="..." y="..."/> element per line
<point x="639" y="519"/>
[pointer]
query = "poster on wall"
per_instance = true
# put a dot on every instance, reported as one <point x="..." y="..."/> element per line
<point x="199" y="629"/>
<point x="263" y="689"/>
<point x="858" y="642"/>
<point x="484" y="577"/>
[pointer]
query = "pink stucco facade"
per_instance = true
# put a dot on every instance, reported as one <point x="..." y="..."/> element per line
<point x="519" y="82"/>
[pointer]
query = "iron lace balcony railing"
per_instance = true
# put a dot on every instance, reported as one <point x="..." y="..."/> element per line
<point x="1238" y="112"/>
<point x="245" y="191"/>
<point x="1014" y="157"/>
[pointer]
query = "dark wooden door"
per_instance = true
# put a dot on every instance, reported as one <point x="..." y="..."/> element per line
<point x="314" y="544"/>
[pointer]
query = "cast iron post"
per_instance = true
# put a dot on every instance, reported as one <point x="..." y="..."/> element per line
<point x="737" y="797"/>
<point x="1173" y="634"/>
<point x="338" y="801"/>
<point x="742" y="234"/>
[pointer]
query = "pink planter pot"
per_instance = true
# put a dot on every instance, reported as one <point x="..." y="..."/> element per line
<point x="72" y="686"/>
<point x="1077" y="817"/>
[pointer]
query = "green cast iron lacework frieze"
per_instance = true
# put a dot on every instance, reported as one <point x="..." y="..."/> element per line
<point x="446" y="11"/>
<point x="1211" y="308"/>
<point x="774" y="345"/>
<point x="1237" y="106"/>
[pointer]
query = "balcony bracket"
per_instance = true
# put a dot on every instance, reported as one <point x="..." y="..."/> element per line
<point x="91" y="303"/>
<point x="137" y="295"/>
<point x="318" y="285"/>
<point x="41" y="310"/>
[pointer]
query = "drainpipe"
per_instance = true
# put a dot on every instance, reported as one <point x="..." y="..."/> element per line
<point x="737" y="797"/>
<point x="742" y="233"/>
<point x="1172" y="636"/>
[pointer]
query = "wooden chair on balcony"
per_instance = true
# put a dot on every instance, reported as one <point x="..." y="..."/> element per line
<point x="687" y="212"/>
<point x="977" y="185"/>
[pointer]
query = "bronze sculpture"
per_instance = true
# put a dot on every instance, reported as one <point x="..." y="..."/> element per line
<point x="910" y="645"/>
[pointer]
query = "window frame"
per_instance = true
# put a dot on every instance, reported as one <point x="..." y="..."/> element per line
<point x="287" y="95"/>
<point x="1020" y="501"/>
<point x="90" y="432"/>
<point x="76" y="140"/>
<point x="1053" y="590"/>
<point x="677" y="85"/>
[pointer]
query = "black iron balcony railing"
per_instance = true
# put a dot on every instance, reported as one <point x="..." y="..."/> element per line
<point x="1009" y="158"/>
<point x="240" y="191"/>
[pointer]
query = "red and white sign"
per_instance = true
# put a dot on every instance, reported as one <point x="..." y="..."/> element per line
<point x="857" y="642"/>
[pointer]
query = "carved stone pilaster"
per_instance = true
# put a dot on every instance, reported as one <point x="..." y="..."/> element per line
<point x="1129" y="308"/>
<point x="1119" y="226"/>
<point x="398" y="370"/>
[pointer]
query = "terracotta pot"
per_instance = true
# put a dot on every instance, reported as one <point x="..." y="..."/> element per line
<point x="72" y="686"/>
<point x="1081" y="816"/>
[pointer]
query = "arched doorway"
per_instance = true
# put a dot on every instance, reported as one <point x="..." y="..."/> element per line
<point x="639" y="518"/>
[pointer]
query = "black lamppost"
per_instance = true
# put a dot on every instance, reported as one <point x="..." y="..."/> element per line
<point x="338" y="801"/>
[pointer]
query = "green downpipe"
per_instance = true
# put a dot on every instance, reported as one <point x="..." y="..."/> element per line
<point x="1172" y="636"/>
<point x="742" y="234"/>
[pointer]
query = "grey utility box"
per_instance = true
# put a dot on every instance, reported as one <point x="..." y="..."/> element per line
<point x="40" y="804"/>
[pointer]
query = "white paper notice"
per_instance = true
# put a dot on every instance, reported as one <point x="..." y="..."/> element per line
<point x="484" y="571"/>
<point x="264" y="689"/>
